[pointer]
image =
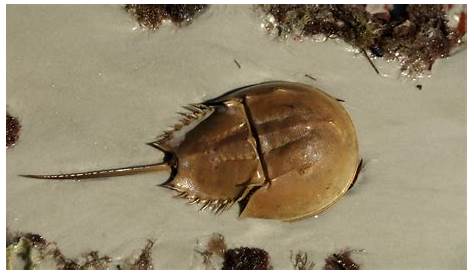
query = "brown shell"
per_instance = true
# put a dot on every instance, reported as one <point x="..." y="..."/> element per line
<point x="284" y="150"/>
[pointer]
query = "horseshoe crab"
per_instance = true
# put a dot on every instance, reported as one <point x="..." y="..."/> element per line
<point x="282" y="150"/>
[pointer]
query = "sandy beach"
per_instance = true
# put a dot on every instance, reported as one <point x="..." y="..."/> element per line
<point x="90" y="90"/>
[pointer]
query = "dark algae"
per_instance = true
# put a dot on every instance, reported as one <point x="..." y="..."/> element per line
<point x="245" y="258"/>
<point x="144" y="261"/>
<point x="33" y="251"/>
<point x="152" y="16"/>
<point x="13" y="130"/>
<point x="414" y="35"/>
<point x="36" y="240"/>
<point x="216" y="255"/>
<point x="22" y="247"/>
<point x="90" y="261"/>
<point x="341" y="261"/>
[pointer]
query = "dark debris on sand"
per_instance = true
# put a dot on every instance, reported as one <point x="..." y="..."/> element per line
<point x="341" y="261"/>
<point x="30" y="250"/>
<point x="13" y="130"/>
<point x="144" y="260"/>
<point x="151" y="16"/>
<point x="414" y="35"/>
<point x="245" y="258"/>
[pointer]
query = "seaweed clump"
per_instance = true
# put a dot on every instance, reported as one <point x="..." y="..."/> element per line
<point x="215" y="255"/>
<point x="211" y="249"/>
<point x="32" y="251"/>
<point x="89" y="261"/>
<point x="414" y="35"/>
<point x="245" y="258"/>
<point x="144" y="261"/>
<point x="341" y="261"/>
<point x="300" y="261"/>
<point x="152" y="16"/>
<point x="13" y="130"/>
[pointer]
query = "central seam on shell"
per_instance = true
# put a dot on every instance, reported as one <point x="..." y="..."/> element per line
<point x="254" y="133"/>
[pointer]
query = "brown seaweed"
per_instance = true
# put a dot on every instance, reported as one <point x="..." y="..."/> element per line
<point x="414" y="35"/>
<point x="13" y="130"/>
<point x="341" y="261"/>
<point x="300" y="261"/>
<point x="32" y="249"/>
<point x="246" y="258"/>
<point x="144" y="261"/>
<point x="151" y="16"/>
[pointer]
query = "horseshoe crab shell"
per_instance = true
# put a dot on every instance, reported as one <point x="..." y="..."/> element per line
<point x="282" y="150"/>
